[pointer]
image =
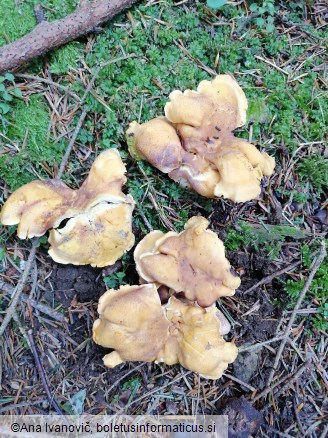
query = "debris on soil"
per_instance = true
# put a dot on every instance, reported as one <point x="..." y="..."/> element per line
<point x="81" y="282"/>
<point x="283" y="75"/>
<point x="244" y="419"/>
<point x="246" y="364"/>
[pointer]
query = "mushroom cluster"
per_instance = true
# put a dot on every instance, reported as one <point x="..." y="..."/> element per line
<point x="91" y="225"/>
<point x="186" y="328"/>
<point x="192" y="262"/>
<point x="177" y="332"/>
<point x="195" y="145"/>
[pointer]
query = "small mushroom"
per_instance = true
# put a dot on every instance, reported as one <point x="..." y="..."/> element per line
<point x="133" y="323"/>
<point x="192" y="262"/>
<point x="92" y="225"/>
<point x="194" y="143"/>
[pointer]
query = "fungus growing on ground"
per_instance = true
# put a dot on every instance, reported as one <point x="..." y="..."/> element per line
<point x="196" y="146"/>
<point x="192" y="262"/>
<point x="133" y="323"/>
<point x="92" y="225"/>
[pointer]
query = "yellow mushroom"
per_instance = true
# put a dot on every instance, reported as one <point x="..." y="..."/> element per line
<point x="131" y="322"/>
<point x="92" y="225"/>
<point x="134" y="324"/>
<point x="192" y="262"/>
<point x="196" y="340"/>
<point x="194" y="143"/>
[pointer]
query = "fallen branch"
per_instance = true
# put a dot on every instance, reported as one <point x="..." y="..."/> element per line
<point x="49" y="35"/>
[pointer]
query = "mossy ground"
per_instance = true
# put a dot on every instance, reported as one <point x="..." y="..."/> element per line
<point x="175" y="47"/>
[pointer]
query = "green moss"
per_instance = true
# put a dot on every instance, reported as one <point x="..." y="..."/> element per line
<point x="57" y="9"/>
<point x="35" y="117"/>
<point x="315" y="170"/>
<point x="317" y="290"/>
<point x="15" y="20"/>
<point x="32" y="121"/>
<point x="139" y="87"/>
<point x="65" y="57"/>
<point x="268" y="238"/>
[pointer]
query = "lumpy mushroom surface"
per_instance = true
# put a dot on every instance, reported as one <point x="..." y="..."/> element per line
<point x="131" y="321"/>
<point x="134" y="324"/>
<point x="91" y="225"/>
<point x="194" y="143"/>
<point x="192" y="262"/>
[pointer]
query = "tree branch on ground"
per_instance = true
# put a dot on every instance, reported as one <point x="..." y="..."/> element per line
<point x="49" y="35"/>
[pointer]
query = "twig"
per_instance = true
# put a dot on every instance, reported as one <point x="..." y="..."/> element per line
<point x="71" y="143"/>
<point x="151" y="392"/>
<point x="270" y="277"/>
<point x="290" y="378"/>
<point x="144" y="218"/>
<point x="7" y="408"/>
<point x="49" y="82"/>
<point x="313" y="427"/>
<point x="199" y="63"/>
<point x="307" y="366"/>
<point x="8" y="289"/>
<point x="260" y="344"/>
<point x="42" y="374"/>
<point x="84" y="112"/>
<point x="246" y="385"/>
<point x="297" y="415"/>
<point x="272" y="64"/>
<point x="316" y="266"/>
<point x="19" y="288"/>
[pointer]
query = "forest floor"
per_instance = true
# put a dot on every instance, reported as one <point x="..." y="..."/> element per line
<point x="278" y="55"/>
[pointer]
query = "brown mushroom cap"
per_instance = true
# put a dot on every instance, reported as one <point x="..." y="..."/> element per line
<point x="156" y="141"/>
<point x="192" y="262"/>
<point x="133" y="323"/>
<point x="196" y="146"/>
<point x="99" y="215"/>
